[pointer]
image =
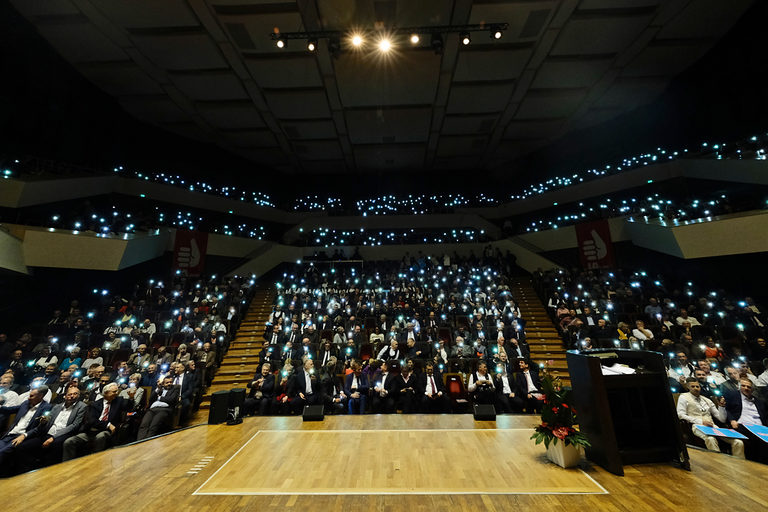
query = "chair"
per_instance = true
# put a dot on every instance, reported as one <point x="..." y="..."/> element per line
<point x="366" y="351"/>
<point x="457" y="392"/>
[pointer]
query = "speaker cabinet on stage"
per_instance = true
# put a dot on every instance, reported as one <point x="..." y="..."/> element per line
<point x="313" y="413"/>
<point x="627" y="418"/>
<point x="484" y="412"/>
<point x="219" y="405"/>
<point x="235" y="409"/>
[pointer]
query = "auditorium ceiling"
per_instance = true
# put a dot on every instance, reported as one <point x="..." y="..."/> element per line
<point x="208" y="70"/>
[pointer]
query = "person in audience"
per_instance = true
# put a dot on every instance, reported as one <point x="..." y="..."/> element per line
<point x="102" y="420"/>
<point x="335" y="399"/>
<point x="94" y="357"/>
<point x="72" y="359"/>
<point x="504" y="382"/>
<point x="8" y="397"/>
<point x="383" y="400"/>
<point x="187" y="383"/>
<point x="161" y="357"/>
<point x="680" y="369"/>
<point x="64" y="421"/>
<point x="481" y="387"/>
<point x="744" y="409"/>
<point x="640" y="332"/>
<point x="133" y="391"/>
<point x="433" y="396"/>
<point x="306" y="387"/>
<point x="356" y="388"/>
<point x="326" y="352"/>
<point x="262" y="392"/>
<point x="697" y="409"/>
<point x="150" y="375"/>
<point x="182" y="356"/>
<point x="405" y="389"/>
<point x="684" y="317"/>
<point x="528" y="387"/>
<point x="162" y="405"/>
<point x="26" y="426"/>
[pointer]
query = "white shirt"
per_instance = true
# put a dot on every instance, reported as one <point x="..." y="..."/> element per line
<point x="21" y="426"/>
<point x="531" y="387"/>
<point x="699" y="409"/>
<point x="762" y="380"/>
<point x="505" y="387"/>
<point x="308" y="381"/>
<point x="637" y="333"/>
<point x="61" y="420"/>
<point x="430" y="382"/>
<point x="693" y="321"/>
<point x="9" y="398"/>
<point x="749" y="414"/>
<point x="25" y="396"/>
<point x="383" y="380"/>
<point x="473" y="385"/>
<point x="684" y="371"/>
<point x="45" y="361"/>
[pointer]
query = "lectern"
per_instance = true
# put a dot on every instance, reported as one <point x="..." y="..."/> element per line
<point x="630" y="418"/>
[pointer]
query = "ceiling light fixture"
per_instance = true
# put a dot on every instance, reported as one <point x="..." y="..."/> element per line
<point x="385" y="45"/>
<point x="312" y="45"/>
<point x="465" y="38"/>
<point x="437" y="43"/>
<point x="357" y="40"/>
<point x="280" y="42"/>
<point x="415" y="39"/>
<point x="496" y="32"/>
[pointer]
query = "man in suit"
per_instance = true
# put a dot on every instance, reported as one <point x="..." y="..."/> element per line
<point x="743" y="409"/>
<point x="64" y="421"/>
<point x="102" y="419"/>
<point x="162" y="404"/>
<point x="27" y="425"/>
<point x="262" y="391"/>
<point x="383" y="400"/>
<point x="528" y="387"/>
<point x="506" y="400"/>
<point x="187" y="383"/>
<point x="356" y="388"/>
<point x="518" y="349"/>
<point x="431" y="390"/>
<point x="405" y="390"/>
<point x="305" y="387"/>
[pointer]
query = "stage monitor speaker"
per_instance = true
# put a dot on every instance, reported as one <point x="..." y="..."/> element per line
<point x="235" y="410"/>
<point x="484" y="412"/>
<point x="313" y="413"/>
<point x="219" y="405"/>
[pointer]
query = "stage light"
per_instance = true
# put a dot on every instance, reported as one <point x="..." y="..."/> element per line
<point x="312" y="45"/>
<point x="357" y="40"/>
<point x="415" y="39"/>
<point x="437" y="44"/>
<point x="465" y="38"/>
<point x="385" y="45"/>
<point x="496" y="33"/>
<point x="280" y="42"/>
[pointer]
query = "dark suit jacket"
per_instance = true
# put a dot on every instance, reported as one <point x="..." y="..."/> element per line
<point x="74" y="422"/>
<point x="298" y="384"/>
<point x="521" y="384"/>
<point x="422" y="380"/>
<point x="34" y="427"/>
<point x="733" y="407"/>
<point x="267" y="387"/>
<point x="118" y="407"/>
<point x="362" y="385"/>
<point x="188" y="386"/>
<point x="171" y="397"/>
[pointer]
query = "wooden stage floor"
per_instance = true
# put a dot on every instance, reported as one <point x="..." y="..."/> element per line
<point x="395" y="462"/>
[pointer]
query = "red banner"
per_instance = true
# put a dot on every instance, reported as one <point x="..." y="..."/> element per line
<point x="594" y="243"/>
<point x="189" y="251"/>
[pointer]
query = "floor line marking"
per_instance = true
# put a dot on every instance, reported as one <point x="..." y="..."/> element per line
<point x="227" y="461"/>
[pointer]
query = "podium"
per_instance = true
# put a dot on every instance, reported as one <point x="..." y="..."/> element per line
<point x="628" y="419"/>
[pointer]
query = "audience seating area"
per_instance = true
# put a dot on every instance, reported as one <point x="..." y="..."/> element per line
<point x="117" y="349"/>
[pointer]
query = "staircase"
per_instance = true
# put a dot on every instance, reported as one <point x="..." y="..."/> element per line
<point x="541" y="334"/>
<point x="240" y="363"/>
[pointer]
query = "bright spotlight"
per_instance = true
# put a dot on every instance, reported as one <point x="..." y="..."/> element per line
<point x="465" y="39"/>
<point x="357" y="40"/>
<point x="280" y="42"/>
<point x="385" y="45"/>
<point x="414" y="38"/>
<point x="312" y="45"/>
<point x="497" y="34"/>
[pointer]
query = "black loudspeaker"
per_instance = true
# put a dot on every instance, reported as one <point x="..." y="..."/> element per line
<point x="484" y="412"/>
<point x="219" y="405"/>
<point x="235" y="409"/>
<point x="313" y="413"/>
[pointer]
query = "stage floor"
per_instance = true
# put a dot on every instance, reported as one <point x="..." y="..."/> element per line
<point x="394" y="462"/>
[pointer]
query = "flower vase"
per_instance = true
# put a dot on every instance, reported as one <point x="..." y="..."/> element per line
<point x="564" y="456"/>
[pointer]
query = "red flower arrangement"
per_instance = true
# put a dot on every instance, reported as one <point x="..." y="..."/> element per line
<point x="558" y="416"/>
